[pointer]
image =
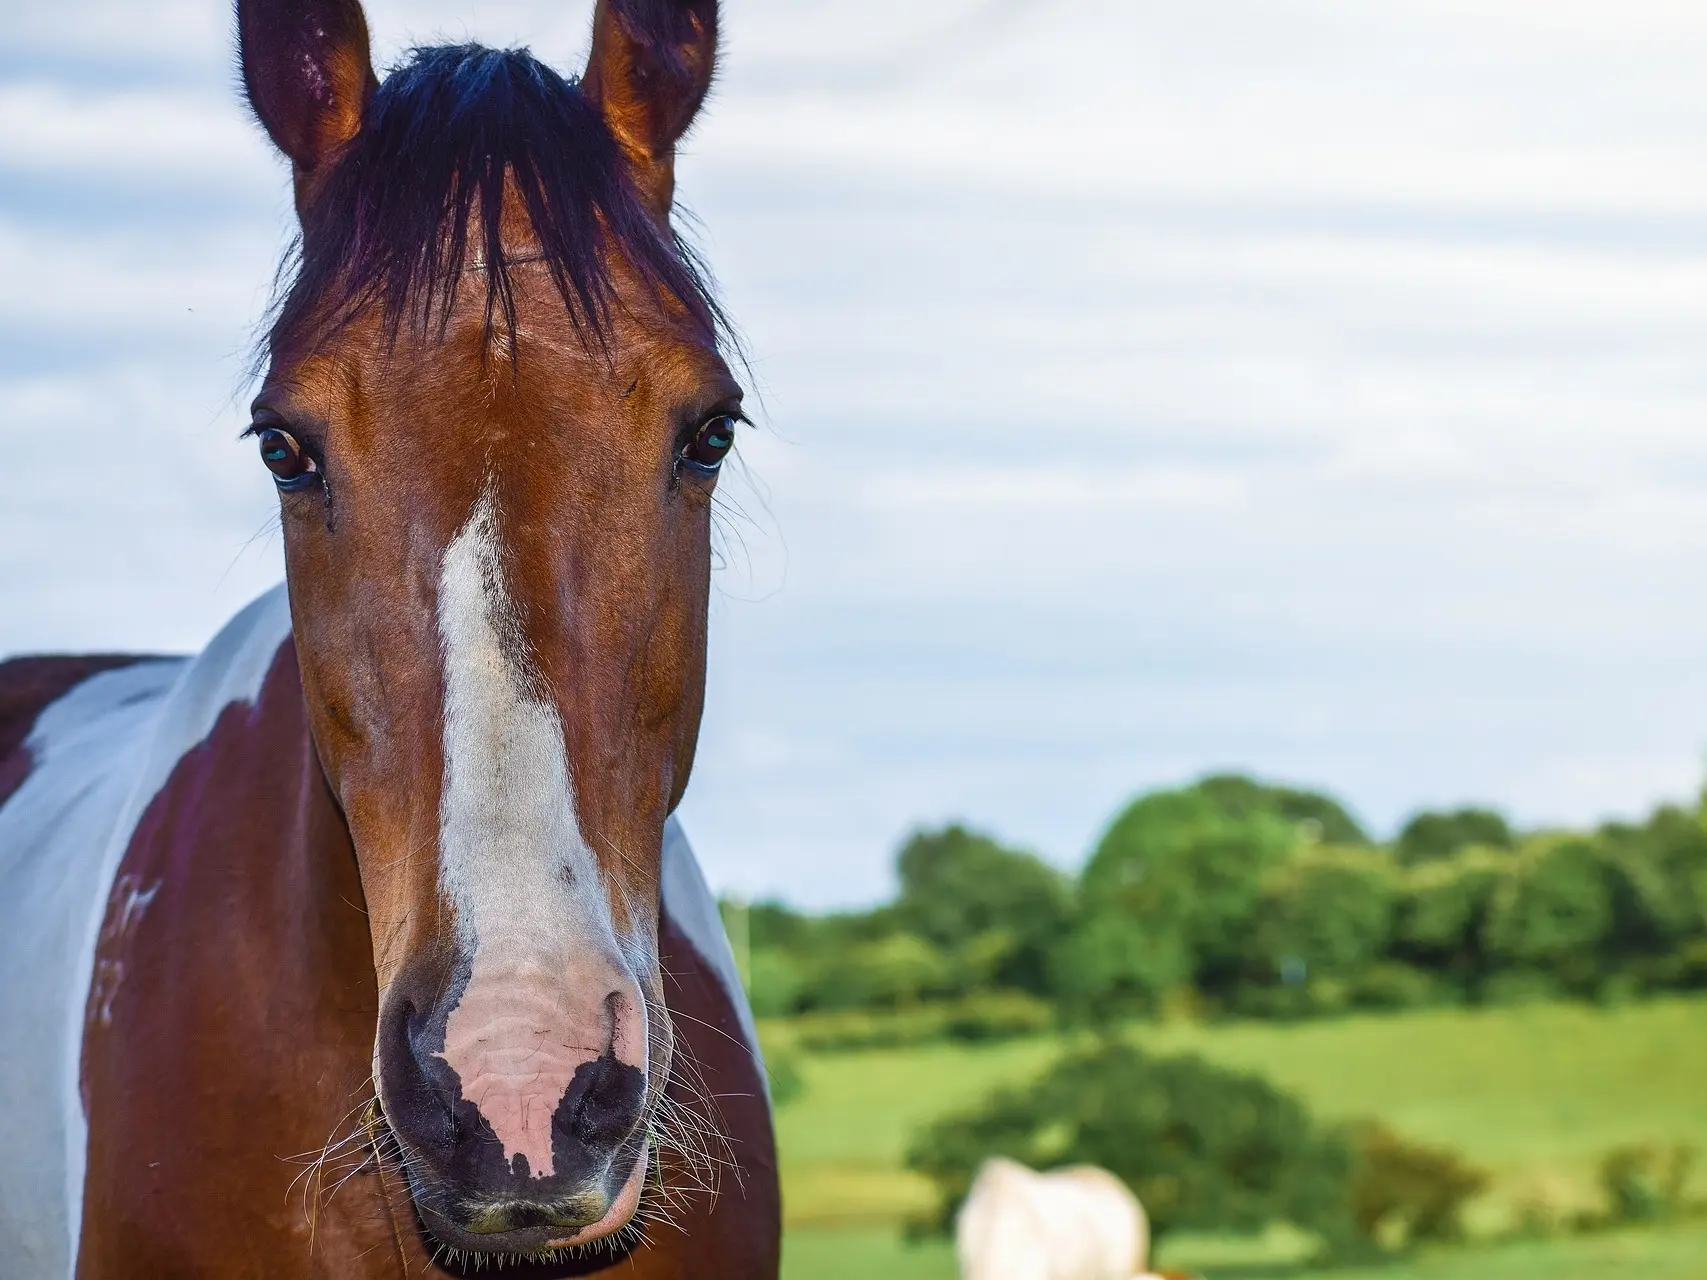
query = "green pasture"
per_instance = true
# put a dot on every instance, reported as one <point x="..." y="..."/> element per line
<point x="1534" y="1094"/>
<point x="1658" y="1254"/>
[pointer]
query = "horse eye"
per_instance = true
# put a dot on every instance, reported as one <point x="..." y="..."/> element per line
<point x="709" y="445"/>
<point x="284" y="457"/>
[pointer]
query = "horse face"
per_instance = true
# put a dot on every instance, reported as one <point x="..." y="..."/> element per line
<point x="495" y="480"/>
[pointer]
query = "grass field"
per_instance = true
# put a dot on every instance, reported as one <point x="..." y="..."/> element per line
<point x="1534" y="1094"/>
<point x="1673" y="1254"/>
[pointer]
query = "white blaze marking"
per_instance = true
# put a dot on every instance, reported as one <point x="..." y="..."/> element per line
<point x="528" y="893"/>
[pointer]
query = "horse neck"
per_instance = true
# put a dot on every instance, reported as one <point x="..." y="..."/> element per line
<point x="234" y="963"/>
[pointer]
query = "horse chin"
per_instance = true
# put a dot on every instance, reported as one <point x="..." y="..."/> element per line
<point x="589" y="1217"/>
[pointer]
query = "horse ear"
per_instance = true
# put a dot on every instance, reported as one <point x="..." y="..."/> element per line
<point x="649" y="69"/>
<point x="308" y="73"/>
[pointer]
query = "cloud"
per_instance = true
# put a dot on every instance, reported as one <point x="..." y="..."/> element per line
<point x="1310" y="386"/>
<point x="134" y="135"/>
<point x="1021" y="491"/>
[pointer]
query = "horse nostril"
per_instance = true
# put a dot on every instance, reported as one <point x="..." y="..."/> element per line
<point x="610" y="1103"/>
<point x="417" y="1103"/>
<point x="449" y="1127"/>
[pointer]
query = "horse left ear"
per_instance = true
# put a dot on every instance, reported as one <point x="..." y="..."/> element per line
<point x="649" y="69"/>
<point x="309" y="74"/>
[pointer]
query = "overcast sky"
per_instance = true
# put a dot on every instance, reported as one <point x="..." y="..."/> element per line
<point x="1309" y="388"/>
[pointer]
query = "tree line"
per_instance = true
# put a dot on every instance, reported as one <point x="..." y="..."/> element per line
<point x="1234" y="896"/>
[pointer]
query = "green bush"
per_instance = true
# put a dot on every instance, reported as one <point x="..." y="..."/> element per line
<point x="1311" y="998"/>
<point x="1684" y="967"/>
<point x="996" y="1015"/>
<point x="1404" y="1192"/>
<point x="1394" y="985"/>
<point x="799" y="962"/>
<point x="895" y="970"/>
<point x="1202" y="1146"/>
<point x="837" y="1030"/>
<point x="1645" y="1182"/>
<point x="1511" y="987"/>
<point x="991" y="1015"/>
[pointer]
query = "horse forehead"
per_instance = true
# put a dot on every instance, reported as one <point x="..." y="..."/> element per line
<point x="472" y="383"/>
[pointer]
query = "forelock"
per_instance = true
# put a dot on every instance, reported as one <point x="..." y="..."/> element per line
<point x="418" y="198"/>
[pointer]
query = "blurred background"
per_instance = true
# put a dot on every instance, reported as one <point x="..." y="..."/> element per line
<point x="1300" y="391"/>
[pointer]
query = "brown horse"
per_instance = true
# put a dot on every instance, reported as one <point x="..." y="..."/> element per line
<point x="363" y="943"/>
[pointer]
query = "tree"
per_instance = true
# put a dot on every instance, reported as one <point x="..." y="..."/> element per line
<point x="1659" y="877"/>
<point x="892" y="971"/>
<point x="996" y="910"/>
<point x="1329" y="912"/>
<point x="1109" y="964"/>
<point x="1431" y="835"/>
<point x="1552" y="910"/>
<point x="1238" y="796"/>
<point x="774" y="924"/>
<point x="1202" y="1146"/>
<point x="1443" y="910"/>
<point x="801" y="962"/>
<point x="1180" y="872"/>
<point x="775" y="982"/>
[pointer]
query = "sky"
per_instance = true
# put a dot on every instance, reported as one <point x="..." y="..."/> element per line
<point x="1307" y="388"/>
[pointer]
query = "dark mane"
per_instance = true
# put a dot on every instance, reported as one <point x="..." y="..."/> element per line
<point x="418" y="196"/>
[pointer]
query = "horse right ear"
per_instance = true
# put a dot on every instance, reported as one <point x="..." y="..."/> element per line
<point x="308" y="73"/>
<point x="648" y="71"/>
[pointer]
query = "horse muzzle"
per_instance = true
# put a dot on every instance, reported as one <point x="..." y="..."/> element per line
<point x="519" y="1101"/>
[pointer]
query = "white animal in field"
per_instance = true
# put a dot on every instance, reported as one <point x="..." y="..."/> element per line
<point x="1072" y="1224"/>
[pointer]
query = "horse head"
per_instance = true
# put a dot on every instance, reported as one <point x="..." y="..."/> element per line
<point x="494" y="408"/>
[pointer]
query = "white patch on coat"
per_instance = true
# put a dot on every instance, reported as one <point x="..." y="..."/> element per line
<point x="128" y="901"/>
<point x="100" y="754"/>
<point x="548" y="989"/>
<point x="688" y="901"/>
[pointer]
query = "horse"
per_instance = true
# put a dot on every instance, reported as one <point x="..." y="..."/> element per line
<point x="364" y="943"/>
<point x="1077" y="1223"/>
